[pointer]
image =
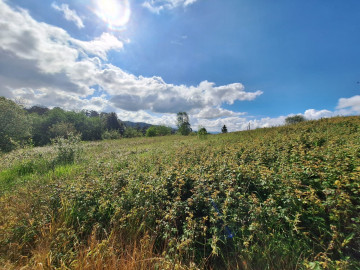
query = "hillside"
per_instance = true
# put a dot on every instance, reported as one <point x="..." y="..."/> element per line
<point x="274" y="198"/>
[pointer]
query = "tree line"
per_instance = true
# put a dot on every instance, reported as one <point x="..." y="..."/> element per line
<point x="39" y="125"/>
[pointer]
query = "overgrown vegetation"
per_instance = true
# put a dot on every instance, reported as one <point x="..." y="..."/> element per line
<point x="38" y="126"/>
<point x="294" y="119"/>
<point x="14" y="125"/>
<point x="275" y="198"/>
<point x="158" y="131"/>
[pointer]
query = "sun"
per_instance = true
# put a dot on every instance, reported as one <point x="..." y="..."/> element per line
<point x="116" y="13"/>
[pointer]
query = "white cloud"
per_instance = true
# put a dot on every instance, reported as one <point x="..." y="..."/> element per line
<point x="156" y="6"/>
<point x="69" y="14"/>
<point x="44" y="65"/>
<point x="238" y="123"/>
<point x="100" y="46"/>
<point x="138" y="93"/>
<point x="152" y="8"/>
<point x="312" y="114"/>
<point x="216" y="112"/>
<point x="349" y="105"/>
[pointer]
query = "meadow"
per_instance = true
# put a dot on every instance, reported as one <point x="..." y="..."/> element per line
<point x="274" y="198"/>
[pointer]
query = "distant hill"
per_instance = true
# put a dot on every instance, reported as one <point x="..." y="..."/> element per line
<point x="141" y="125"/>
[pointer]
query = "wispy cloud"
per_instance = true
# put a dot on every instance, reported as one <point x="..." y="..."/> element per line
<point x="156" y="6"/>
<point x="153" y="8"/>
<point x="69" y="14"/>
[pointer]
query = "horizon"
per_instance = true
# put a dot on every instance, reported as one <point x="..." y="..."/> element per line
<point x="225" y="63"/>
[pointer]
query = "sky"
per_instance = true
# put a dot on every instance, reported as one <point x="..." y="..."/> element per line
<point x="224" y="62"/>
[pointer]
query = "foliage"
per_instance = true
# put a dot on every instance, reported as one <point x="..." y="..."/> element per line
<point x="14" y="125"/>
<point x="68" y="149"/>
<point x="132" y="133"/>
<point x="202" y="133"/>
<point x="224" y="129"/>
<point x="158" y="131"/>
<point x="274" y="198"/>
<point x="294" y="119"/>
<point x="183" y="123"/>
<point x="111" y="135"/>
<point x="62" y="129"/>
<point x="113" y="123"/>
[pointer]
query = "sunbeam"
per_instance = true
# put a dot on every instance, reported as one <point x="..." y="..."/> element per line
<point x="116" y="13"/>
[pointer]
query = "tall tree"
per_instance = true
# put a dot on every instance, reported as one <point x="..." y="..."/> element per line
<point x="14" y="125"/>
<point x="113" y="123"/>
<point x="224" y="129"/>
<point x="183" y="123"/>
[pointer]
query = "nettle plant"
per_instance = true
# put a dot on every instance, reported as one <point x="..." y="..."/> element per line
<point x="68" y="149"/>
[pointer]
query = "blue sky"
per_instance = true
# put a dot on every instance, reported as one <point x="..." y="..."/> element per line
<point x="230" y="62"/>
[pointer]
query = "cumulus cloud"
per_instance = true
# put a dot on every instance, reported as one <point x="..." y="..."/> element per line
<point x="36" y="55"/>
<point x="312" y="114"/>
<point x="44" y="65"/>
<point x="349" y="105"/>
<point x="243" y="122"/>
<point x="69" y="14"/>
<point x="216" y="112"/>
<point x="135" y="93"/>
<point x="236" y="123"/>
<point x="100" y="45"/>
<point x="156" y="6"/>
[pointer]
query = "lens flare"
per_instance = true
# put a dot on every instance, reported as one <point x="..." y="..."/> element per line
<point x="116" y="13"/>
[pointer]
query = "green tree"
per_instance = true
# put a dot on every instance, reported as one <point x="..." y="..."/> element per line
<point x="113" y="123"/>
<point x="41" y="134"/>
<point x="163" y="130"/>
<point x="14" y="125"/>
<point x="62" y="129"/>
<point x="202" y="133"/>
<point x="158" y="131"/>
<point x="93" y="129"/>
<point x="224" y="129"/>
<point x="294" y="119"/>
<point x="183" y="123"/>
<point x="132" y="133"/>
<point x="151" y="132"/>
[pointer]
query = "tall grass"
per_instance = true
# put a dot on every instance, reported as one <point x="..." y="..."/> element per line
<point x="275" y="198"/>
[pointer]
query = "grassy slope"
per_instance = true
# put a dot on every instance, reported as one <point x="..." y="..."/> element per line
<point x="277" y="198"/>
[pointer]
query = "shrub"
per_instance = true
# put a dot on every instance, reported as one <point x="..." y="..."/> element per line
<point x="132" y="133"/>
<point x="68" y="149"/>
<point x="202" y="133"/>
<point x="62" y="129"/>
<point x="158" y="131"/>
<point x="294" y="119"/>
<point x="111" y="135"/>
<point x="151" y="132"/>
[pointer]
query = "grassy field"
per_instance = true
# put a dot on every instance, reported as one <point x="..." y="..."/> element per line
<point x="275" y="198"/>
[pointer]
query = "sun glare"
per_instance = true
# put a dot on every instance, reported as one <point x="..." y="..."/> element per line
<point x="116" y="13"/>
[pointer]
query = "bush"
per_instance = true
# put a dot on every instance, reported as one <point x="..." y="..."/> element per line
<point x="294" y="119"/>
<point x="132" y="133"/>
<point x="68" y="149"/>
<point x="111" y="135"/>
<point x="14" y="125"/>
<point x="202" y="133"/>
<point x="62" y="129"/>
<point x="158" y="131"/>
<point x="151" y="132"/>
